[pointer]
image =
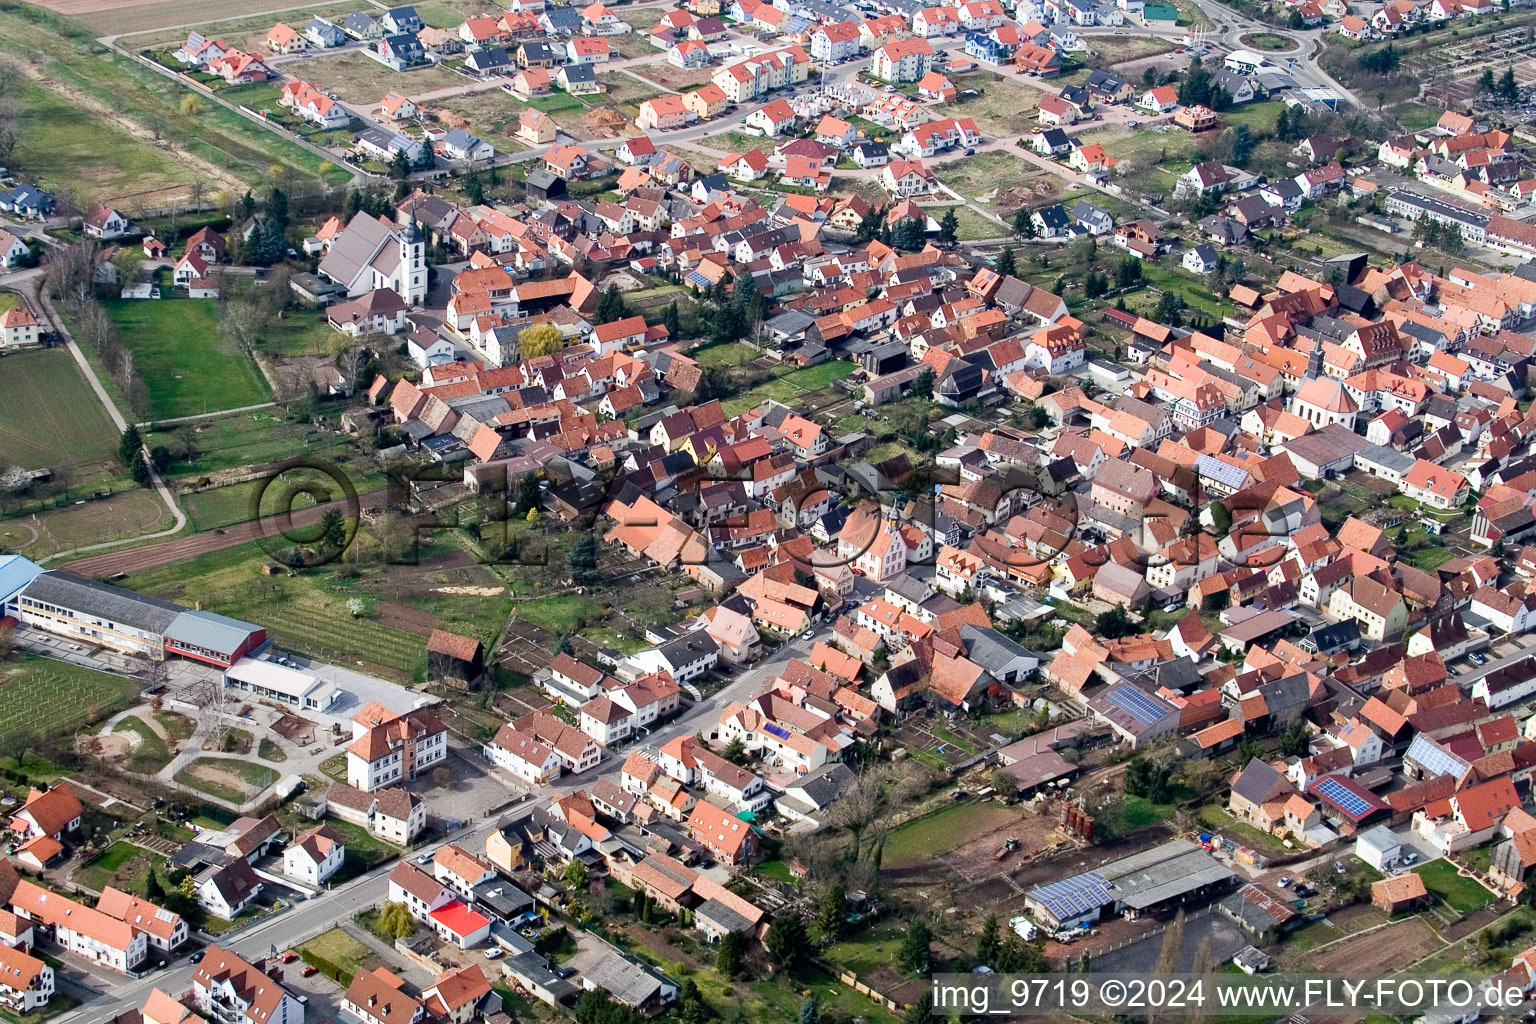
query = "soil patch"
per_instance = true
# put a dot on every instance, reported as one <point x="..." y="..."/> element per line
<point x="1380" y="952"/>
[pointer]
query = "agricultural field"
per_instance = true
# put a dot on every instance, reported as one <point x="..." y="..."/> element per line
<point x="927" y="837"/>
<point x="63" y="55"/>
<point x="309" y="612"/>
<point x="189" y="367"/>
<point x="54" y="698"/>
<point x="147" y="19"/>
<point x="74" y="152"/>
<point x="1006" y="108"/>
<point x="50" y="418"/>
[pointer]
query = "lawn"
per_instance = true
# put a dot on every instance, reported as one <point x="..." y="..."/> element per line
<point x="151" y="754"/>
<point x="53" y="698"/>
<point x="50" y="418"/>
<point x="363" y="80"/>
<point x="1222" y="823"/>
<point x="179" y="726"/>
<point x="65" y="148"/>
<point x="972" y="226"/>
<point x="626" y="90"/>
<point x="189" y="367"/>
<point x="337" y="949"/>
<point x="1194" y="292"/>
<point x="1267" y="41"/>
<point x="1005" y="108"/>
<point x="1463" y="894"/>
<point x="105" y="871"/>
<point x="866" y="952"/>
<point x="555" y="614"/>
<point x="270" y="751"/>
<point x="558" y="102"/>
<point x="788" y="387"/>
<point x="941" y="831"/>
<point x="1415" y="117"/>
<point x="1260" y="117"/>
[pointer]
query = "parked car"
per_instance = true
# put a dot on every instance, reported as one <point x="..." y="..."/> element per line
<point x="1285" y="881"/>
<point x="196" y="958"/>
<point x="493" y="953"/>
<point x="567" y="972"/>
<point x="309" y="971"/>
<point x="290" y="956"/>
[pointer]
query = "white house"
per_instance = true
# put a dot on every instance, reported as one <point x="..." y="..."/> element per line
<point x="314" y="856"/>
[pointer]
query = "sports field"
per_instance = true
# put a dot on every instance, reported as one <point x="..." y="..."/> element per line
<point x="53" y="698"/>
<point x="49" y="417"/>
<point x="189" y="367"/>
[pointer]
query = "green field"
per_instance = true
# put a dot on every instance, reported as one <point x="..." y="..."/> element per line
<point x="53" y="698"/>
<point x="151" y="754"/>
<point x="336" y="949"/>
<point x="49" y="417"/>
<point x="67" y="149"/>
<point x="307" y="612"/>
<point x="1415" y="117"/>
<point x="555" y="614"/>
<point x="252" y="438"/>
<point x="941" y="831"/>
<point x="102" y="872"/>
<point x="1463" y="894"/>
<point x="189" y="367"/>
<point x="66" y="53"/>
<point x="786" y="387"/>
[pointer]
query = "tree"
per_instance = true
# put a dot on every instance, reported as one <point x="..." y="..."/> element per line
<point x="1294" y="740"/>
<point x="1380" y="62"/>
<point x="1239" y="140"/>
<point x="736" y="751"/>
<point x="908" y="234"/>
<point x="786" y="940"/>
<point x="1114" y="624"/>
<point x="921" y="1011"/>
<point x="187" y="888"/>
<point x="130" y="445"/>
<point x="474" y="189"/>
<point x="1128" y="272"/>
<point x="1149" y="781"/>
<point x="1283" y="123"/>
<point x="576" y="874"/>
<point x="356" y="606"/>
<point x="610" y="306"/>
<point x="673" y="320"/>
<point x="1485" y="85"/>
<point x="987" y="943"/>
<point x="1172" y="950"/>
<point x="949" y="226"/>
<point x="527" y="494"/>
<point x="831" y="912"/>
<point x="400" y="166"/>
<point x="1169" y="311"/>
<point x="1221" y="519"/>
<point x="922" y="387"/>
<point x="1004" y="782"/>
<point x="190" y="105"/>
<point x="810" y="1010"/>
<point x="139" y="470"/>
<point x="1006" y="263"/>
<point x="1196" y="88"/>
<point x="395" y="921"/>
<point x="153" y="890"/>
<point x="442" y="778"/>
<point x="539" y="340"/>
<point x="333" y="529"/>
<point x="728" y="955"/>
<point x="915" y="955"/>
<point x="582" y="559"/>
<point x="1024" y="223"/>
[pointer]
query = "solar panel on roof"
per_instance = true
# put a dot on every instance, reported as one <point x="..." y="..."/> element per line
<point x="1073" y="897"/>
<point x="1345" y="799"/>
<point x="1140" y="706"/>
<point x="774" y="729"/>
<point x="1434" y="759"/>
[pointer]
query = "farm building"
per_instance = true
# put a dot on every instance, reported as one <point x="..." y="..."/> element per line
<point x="1154" y="880"/>
<point x="454" y="659"/>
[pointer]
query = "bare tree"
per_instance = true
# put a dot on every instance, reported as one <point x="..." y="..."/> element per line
<point x="197" y="192"/>
<point x="350" y="364"/>
<point x="69" y="271"/>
